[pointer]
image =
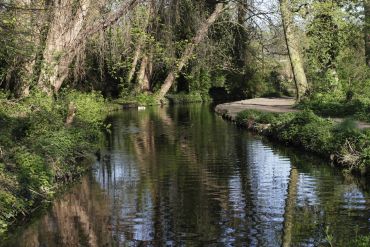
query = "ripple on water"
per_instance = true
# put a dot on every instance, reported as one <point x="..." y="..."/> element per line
<point x="181" y="176"/>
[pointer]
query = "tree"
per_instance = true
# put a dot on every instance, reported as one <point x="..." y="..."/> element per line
<point x="324" y="38"/>
<point x="67" y="31"/>
<point x="293" y="49"/>
<point x="188" y="52"/>
<point x="367" y="30"/>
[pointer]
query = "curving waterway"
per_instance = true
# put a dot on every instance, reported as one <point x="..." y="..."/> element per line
<point x="182" y="176"/>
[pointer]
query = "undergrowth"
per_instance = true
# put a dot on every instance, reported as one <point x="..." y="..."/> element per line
<point x="338" y="106"/>
<point x="193" y="97"/>
<point x="38" y="151"/>
<point x="343" y="142"/>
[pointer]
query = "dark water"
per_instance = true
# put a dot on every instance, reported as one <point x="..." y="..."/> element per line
<point x="181" y="176"/>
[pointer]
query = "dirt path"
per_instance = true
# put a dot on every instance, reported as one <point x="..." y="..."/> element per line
<point x="280" y="105"/>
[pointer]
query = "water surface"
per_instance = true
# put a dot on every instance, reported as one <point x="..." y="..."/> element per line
<point x="181" y="176"/>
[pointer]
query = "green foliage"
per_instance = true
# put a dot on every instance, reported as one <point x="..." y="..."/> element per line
<point x="334" y="52"/>
<point x="307" y="130"/>
<point x="337" y="105"/>
<point x="200" y="82"/>
<point x="256" y="116"/>
<point x="146" y="99"/>
<point x="34" y="176"/>
<point x="141" y="99"/>
<point x="186" y="98"/>
<point x="349" y="145"/>
<point x="90" y="106"/>
<point x="37" y="149"/>
<point x="362" y="241"/>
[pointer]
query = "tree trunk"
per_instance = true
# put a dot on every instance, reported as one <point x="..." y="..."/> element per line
<point x="36" y="21"/>
<point x="142" y="78"/>
<point x="201" y="33"/>
<point x="149" y="72"/>
<point x="64" y="30"/>
<point x="367" y="31"/>
<point x="293" y="49"/>
<point x="134" y="63"/>
<point x="67" y="32"/>
<point x="27" y="77"/>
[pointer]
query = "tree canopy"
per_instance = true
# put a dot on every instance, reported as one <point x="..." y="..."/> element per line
<point x="155" y="47"/>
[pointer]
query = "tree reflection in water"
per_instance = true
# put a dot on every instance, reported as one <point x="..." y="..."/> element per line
<point x="79" y="218"/>
<point x="183" y="176"/>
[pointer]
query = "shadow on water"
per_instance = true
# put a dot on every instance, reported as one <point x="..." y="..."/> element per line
<point x="182" y="176"/>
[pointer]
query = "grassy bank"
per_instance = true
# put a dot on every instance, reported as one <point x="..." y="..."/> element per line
<point x="343" y="143"/>
<point x="338" y="106"/>
<point x="39" y="152"/>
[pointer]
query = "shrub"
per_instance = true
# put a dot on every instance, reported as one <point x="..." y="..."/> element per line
<point x="37" y="149"/>
<point x="34" y="176"/>
<point x="304" y="128"/>
<point x="333" y="105"/>
<point x="186" y="98"/>
<point x="362" y="241"/>
<point x="345" y="141"/>
<point x="145" y="99"/>
<point x="90" y="106"/>
<point x="316" y="137"/>
<point x="248" y="115"/>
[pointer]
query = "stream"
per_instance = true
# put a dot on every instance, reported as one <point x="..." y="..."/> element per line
<point x="182" y="176"/>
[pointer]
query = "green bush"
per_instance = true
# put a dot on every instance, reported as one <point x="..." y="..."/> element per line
<point x="34" y="176"/>
<point x="192" y="97"/>
<point x="248" y="115"/>
<point x="330" y="105"/>
<point x="316" y="137"/>
<point x="90" y="106"/>
<point x="142" y="99"/>
<point x="38" y="149"/>
<point x="303" y="128"/>
<point x="350" y="145"/>
<point x="362" y="241"/>
<point x="145" y="99"/>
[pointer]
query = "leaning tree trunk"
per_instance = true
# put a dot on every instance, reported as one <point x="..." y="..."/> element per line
<point x="149" y="72"/>
<point x="142" y="47"/>
<point x="201" y="33"/>
<point x="367" y="30"/>
<point x="293" y="49"/>
<point x="64" y="30"/>
<point x="134" y="63"/>
<point x="67" y="32"/>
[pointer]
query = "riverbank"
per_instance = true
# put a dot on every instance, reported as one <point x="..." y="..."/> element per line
<point x="344" y="142"/>
<point x="148" y="99"/>
<point x="277" y="105"/>
<point x="43" y="143"/>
